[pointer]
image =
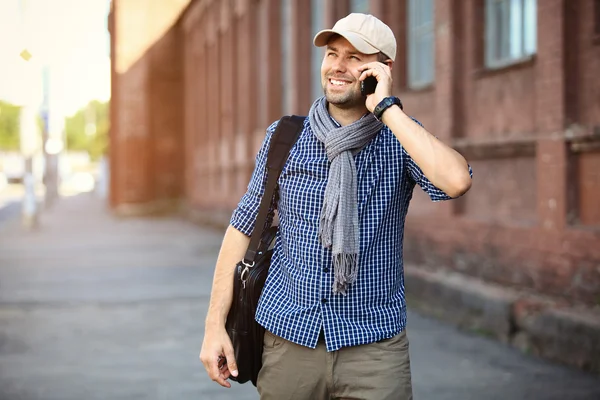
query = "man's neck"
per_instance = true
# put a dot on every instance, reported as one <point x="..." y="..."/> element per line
<point x="346" y="116"/>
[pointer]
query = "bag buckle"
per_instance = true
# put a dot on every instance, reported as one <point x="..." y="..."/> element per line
<point x="245" y="272"/>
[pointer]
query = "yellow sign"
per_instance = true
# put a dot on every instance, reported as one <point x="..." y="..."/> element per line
<point x="25" y="55"/>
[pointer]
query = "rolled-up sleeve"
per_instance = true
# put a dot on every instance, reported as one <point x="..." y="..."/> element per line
<point x="417" y="175"/>
<point x="244" y="216"/>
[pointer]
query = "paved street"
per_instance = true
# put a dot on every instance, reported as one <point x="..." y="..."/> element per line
<point x="92" y="307"/>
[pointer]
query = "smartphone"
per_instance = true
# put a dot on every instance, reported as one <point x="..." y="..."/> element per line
<point x="368" y="85"/>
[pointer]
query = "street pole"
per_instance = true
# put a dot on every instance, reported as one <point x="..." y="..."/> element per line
<point x="28" y="130"/>
<point x="52" y="138"/>
<point x="30" y="143"/>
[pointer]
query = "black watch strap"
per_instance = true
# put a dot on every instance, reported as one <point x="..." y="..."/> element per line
<point x="385" y="104"/>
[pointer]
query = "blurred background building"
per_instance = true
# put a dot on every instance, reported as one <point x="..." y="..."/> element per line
<point x="511" y="84"/>
<point x="54" y="92"/>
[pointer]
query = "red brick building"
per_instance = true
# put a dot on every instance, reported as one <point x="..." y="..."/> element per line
<point x="511" y="84"/>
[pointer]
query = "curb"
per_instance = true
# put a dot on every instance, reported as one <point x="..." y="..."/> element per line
<point x="547" y="328"/>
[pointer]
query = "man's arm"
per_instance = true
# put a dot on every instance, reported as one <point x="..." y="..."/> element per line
<point x="216" y="341"/>
<point x="235" y="243"/>
<point x="442" y="165"/>
<point x="233" y="248"/>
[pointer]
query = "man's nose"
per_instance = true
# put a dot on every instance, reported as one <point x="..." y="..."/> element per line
<point x="339" y="65"/>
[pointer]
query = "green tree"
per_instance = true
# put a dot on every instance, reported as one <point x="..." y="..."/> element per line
<point x="80" y="136"/>
<point x="9" y="126"/>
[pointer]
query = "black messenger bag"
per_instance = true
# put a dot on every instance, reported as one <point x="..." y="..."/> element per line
<point x="251" y="273"/>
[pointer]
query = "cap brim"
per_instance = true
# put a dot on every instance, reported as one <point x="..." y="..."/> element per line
<point x="355" y="40"/>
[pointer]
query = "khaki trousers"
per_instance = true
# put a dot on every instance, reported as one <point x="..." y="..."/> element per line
<point x="376" y="371"/>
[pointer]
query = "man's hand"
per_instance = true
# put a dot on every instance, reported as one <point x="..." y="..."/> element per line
<point x="383" y="74"/>
<point x="216" y="341"/>
<point x="217" y="355"/>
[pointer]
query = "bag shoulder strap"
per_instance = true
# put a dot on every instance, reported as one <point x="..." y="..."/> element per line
<point x="285" y="135"/>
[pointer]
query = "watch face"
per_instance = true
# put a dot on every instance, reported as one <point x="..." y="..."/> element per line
<point x="384" y="105"/>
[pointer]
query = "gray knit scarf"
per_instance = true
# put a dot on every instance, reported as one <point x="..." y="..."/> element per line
<point x="338" y="227"/>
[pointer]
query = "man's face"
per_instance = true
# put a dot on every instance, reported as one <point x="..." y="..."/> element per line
<point x="339" y="73"/>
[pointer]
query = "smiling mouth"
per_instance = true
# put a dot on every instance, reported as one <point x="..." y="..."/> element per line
<point x="338" y="82"/>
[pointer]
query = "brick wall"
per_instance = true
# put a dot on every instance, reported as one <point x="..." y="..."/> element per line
<point x="146" y="105"/>
<point x="531" y="218"/>
<point x="196" y="84"/>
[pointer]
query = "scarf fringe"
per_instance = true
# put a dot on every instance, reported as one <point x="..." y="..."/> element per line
<point x="345" y="268"/>
<point x="325" y="227"/>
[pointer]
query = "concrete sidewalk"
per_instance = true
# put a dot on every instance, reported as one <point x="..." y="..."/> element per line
<point x="546" y="327"/>
<point x="95" y="307"/>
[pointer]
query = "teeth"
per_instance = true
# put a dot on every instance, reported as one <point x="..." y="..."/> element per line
<point x="338" y="83"/>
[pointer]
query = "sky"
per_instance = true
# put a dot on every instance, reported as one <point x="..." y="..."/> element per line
<point x="70" y="37"/>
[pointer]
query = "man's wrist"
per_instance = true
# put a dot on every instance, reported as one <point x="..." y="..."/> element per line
<point x="392" y="113"/>
<point x="385" y="104"/>
<point x="216" y="317"/>
<point x="215" y="322"/>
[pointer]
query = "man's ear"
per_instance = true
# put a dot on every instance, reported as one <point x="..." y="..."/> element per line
<point x="389" y="63"/>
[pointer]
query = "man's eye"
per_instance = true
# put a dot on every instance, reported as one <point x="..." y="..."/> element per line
<point x="355" y="58"/>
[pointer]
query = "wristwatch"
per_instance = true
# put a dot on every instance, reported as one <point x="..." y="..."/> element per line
<point x="385" y="104"/>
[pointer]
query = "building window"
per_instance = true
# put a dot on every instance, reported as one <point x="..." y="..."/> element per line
<point x="359" y="6"/>
<point x="421" y="66"/>
<point x="286" y="46"/>
<point x="597" y="17"/>
<point x="511" y="31"/>
<point x="317" y="24"/>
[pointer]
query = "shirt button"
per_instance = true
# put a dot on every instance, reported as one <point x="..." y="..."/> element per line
<point x="323" y="301"/>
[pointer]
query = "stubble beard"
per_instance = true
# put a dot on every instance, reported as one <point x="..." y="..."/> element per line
<point x="349" y="99"/>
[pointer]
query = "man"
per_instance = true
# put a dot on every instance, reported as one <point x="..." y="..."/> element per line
<point x="333" y="304"/>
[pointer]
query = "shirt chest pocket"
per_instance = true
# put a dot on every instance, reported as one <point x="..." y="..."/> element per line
<point x="369" y="168"/>
<point x="302" y="181"/>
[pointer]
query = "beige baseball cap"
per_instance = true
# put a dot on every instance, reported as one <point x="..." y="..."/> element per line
<point x="365" y="32"/>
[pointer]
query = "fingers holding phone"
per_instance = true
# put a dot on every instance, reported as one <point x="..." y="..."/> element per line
<point x="376" y="83"/>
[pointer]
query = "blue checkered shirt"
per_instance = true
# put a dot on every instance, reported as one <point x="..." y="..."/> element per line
<point x="297" y="300"/>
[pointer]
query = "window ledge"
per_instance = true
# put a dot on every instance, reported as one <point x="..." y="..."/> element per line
<point x="518" y="63"/>
<point x="426" y="87"/>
